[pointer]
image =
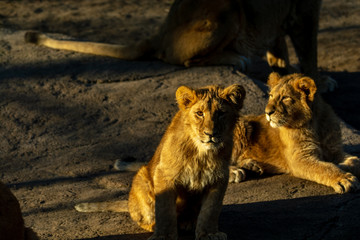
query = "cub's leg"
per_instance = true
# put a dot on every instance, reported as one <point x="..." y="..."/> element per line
<point x="326" y="173"/>
<point x="165" y="215"/>
<point x="207" y="223"/>
<point x="142" y="200"/>
<point x="165" y="207"/>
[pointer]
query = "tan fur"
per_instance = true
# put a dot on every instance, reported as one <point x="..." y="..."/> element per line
<point x="299" y="135"/>
<point x="184" y="183"/>
<point x="11" y="221"/>
<point x="220" y="32"/>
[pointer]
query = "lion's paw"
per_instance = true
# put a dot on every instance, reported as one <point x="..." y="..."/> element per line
<point x="213" y="236"/>
<point x="236" y="174"/>
<point x="243" y="64"/>
<point x="252" y="165"/>
<point x="348" y="183"/>
<point x="327" y="84"/>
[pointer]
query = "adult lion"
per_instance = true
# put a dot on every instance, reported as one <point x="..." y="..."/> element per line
<point x="299" y="134"/>
<point x="220" y="32"/>
<point x="184" y="183"/>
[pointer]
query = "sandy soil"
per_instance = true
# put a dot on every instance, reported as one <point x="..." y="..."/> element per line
<point x="66" y="117"/>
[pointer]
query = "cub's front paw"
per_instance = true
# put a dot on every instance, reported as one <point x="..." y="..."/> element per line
<point x="252" y="165"/>
<point x="213" y="236"/>
<point x="346" y="184"/>
<point x="236" y="174"/>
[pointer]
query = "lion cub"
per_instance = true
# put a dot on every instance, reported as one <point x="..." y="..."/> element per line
<point x="299" y="134"/>
<point x="184" y="183"/>
<point x="11" y="221"/>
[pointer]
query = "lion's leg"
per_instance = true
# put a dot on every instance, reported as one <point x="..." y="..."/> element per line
<point x="303" y="35"/>
<point x="304" y="38"/>
<point x="351" y="164"/>
<point x="207" y="223"/>
<point x="326" y="173"/>
<point x="221" y="58"/>
<point x="278" y="57"/>
<point x="142" y="200"/>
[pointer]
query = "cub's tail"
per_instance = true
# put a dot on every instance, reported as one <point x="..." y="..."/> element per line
<point x="116" y="206"/>
<point x="125" y="52"/>
<point x="128" y="165"/>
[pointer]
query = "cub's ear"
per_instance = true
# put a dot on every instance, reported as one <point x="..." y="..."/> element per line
<point x="307" y="86"/>
<point x="273" y="79"/>
<point x="185" y="97"/>
<point x="235" y="94"/>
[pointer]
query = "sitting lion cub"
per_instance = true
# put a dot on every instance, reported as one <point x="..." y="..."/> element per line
<point x="184" y="183"/>
<point x="299" y="135"/>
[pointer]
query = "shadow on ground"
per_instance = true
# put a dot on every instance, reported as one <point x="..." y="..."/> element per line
<point x="345" y="99"/>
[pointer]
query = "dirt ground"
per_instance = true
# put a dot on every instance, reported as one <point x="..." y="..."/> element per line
<point x="66" y="117"/>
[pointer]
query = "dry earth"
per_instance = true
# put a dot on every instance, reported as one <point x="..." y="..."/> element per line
<point x="66" y="117"/>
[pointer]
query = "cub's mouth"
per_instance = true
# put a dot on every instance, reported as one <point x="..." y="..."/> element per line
<point x="273" y="124"/>
<point x="212" y="143"/>
<point x="212" y="140"/>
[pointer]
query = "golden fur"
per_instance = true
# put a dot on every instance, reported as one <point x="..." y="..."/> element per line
<point x="11" y="221"/>
<point x="299" y="135"/>
<point x="220" y="32"/>
<point x="184" y="183"/>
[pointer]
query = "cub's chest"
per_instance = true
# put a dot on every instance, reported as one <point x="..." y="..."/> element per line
<point x="201" y="173"/>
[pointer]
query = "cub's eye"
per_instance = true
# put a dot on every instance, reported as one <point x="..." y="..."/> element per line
<point x="200" y="113"/>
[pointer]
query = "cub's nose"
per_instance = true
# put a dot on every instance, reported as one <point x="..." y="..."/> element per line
<point x="208" y="133"/>
<point x="212" y="137"/>
<point x="269" y="112"/>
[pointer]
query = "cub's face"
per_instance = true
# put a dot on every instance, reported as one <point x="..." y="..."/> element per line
<point x="211" y="114"/>
<point x="290" y="100"/>
<point x="211" y="121"/>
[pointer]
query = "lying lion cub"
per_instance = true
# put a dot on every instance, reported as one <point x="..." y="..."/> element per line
<point x="299" y="135"/>
<point x="11" y="221"/>
<point x="220" y="32"/>
<point x="184" y="183"/>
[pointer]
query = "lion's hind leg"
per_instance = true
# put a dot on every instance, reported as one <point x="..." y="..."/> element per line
<point x="142" y="200"/>
<point x="278" y="57"/>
